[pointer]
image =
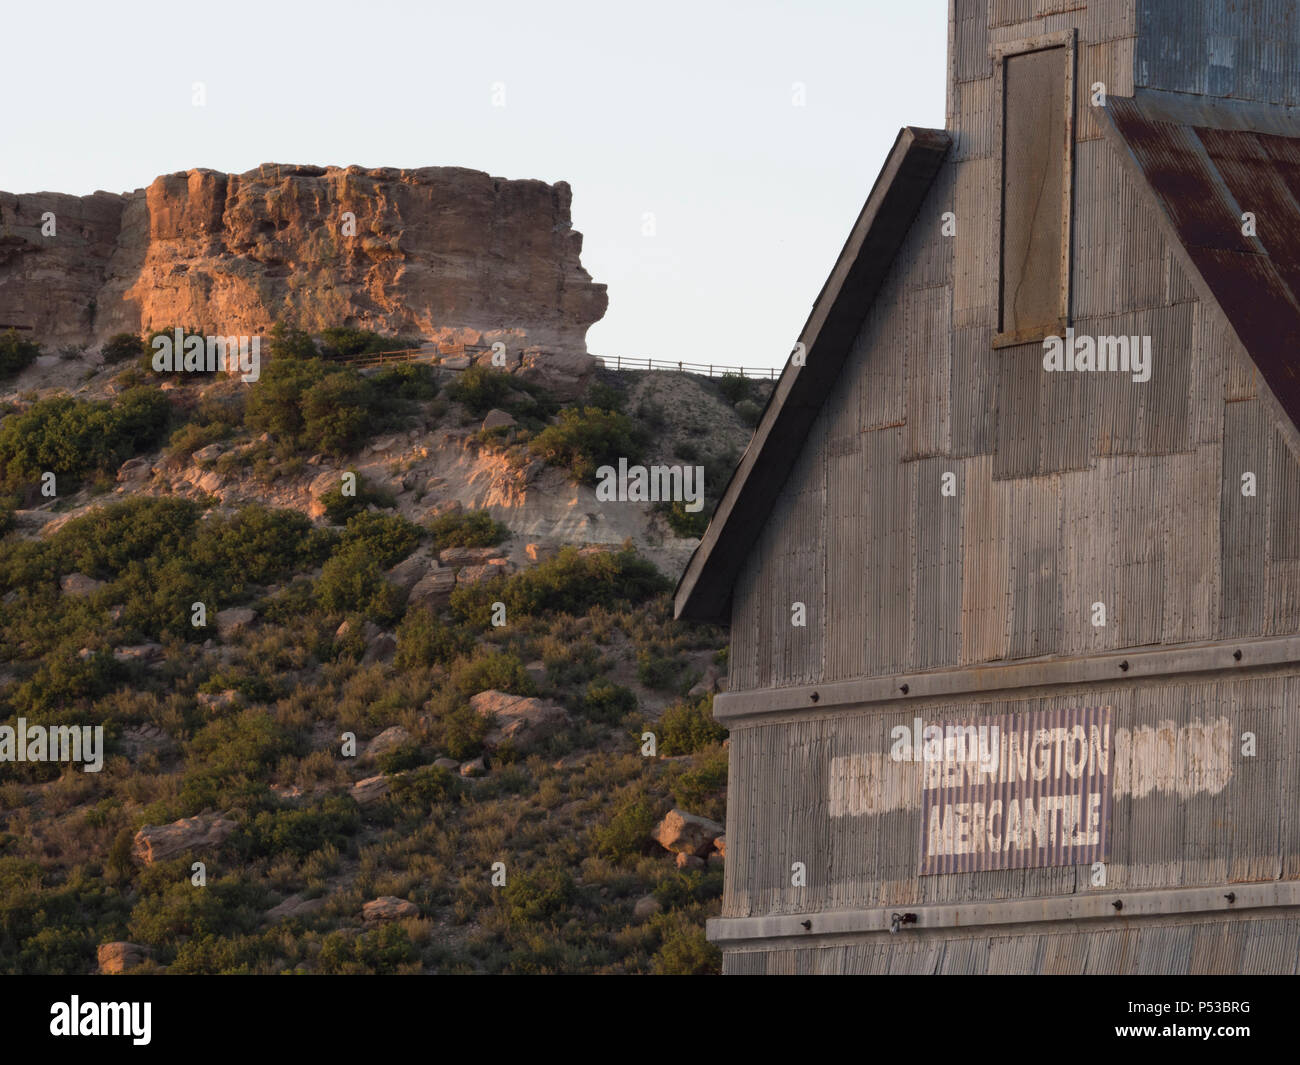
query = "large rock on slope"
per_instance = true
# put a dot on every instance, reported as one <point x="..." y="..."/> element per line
<point x="444" y="252"/>
<point x="158" y="843"/>
<point x="685" y="833"/>
<point x="523" y="721"/>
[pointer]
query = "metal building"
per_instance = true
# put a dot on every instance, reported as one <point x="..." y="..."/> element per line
<point x="976" y="502"/>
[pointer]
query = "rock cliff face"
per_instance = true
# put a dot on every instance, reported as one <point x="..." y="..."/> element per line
<point x="441" y="252"/>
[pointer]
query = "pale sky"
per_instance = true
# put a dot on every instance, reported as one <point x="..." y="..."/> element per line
<point x="683" y="111"/>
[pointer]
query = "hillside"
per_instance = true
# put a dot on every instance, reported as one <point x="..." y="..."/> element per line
<point x="390" y="692"/>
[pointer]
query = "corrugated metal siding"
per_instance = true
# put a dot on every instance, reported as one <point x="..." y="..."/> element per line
<point x="1239" y="48"/>
<point x="972" y="40"/>
<point x="974" y="393"/>
<point x="929" y="371"/>
<point x="1244" y="520"/>
<point x="936" y="593"/>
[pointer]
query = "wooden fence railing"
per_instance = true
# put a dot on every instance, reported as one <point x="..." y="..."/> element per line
<point x="615" y="362"/>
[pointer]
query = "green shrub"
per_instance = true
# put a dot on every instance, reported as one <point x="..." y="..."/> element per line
<point x="466" y="528"/>
<point x="274" y="403"/>
<point x="408" y="380"/>
<point x="339" y="508"/>
<point x="287" y="342"/>
<point x="749" y="412"/>
<point x="627" y="831"/>
<point x="683" y="522"/>
<point x="301" y="832"/>
<point x="499" y="671"/>
<point x="122" y="346"/>
<point x="480" y="389"/>
<point x="686" y="951"/>
<point x="345" y="341"/>
<point x="72" y="438"/>
<point x="735" y="387"/>
<point x="687" y="727"/>
<point x="702" y="788"/>
<point x="425" y="787"/>
<point x="352" y="582"/>
<point x="658" y="671"/>
<point x="569" y="583"/>
<point x="388" y="538"/>
<point x="607" y="702"/>
<point x="424" y="640"/>
<point x="384" y="951"/>
<point x="538" y="896"/>
<point x="336" y="415"/>
<point x="584" y="439"/>
<point x="16" y="354"/>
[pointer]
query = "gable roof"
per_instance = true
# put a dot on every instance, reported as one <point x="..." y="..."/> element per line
<point x="1202" y="162"/>
<point x="1205" y="163"/>
<point x="704" y="591"/>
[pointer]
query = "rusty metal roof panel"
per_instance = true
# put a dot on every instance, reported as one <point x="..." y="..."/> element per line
<point x="1207" y="165"/>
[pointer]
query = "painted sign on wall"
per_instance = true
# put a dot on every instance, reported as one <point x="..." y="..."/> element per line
<point x="1017" y="791"/>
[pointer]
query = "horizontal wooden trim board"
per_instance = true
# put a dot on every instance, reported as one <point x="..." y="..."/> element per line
<point x="1222" y="657"/>
<point x="1099" y="905"/>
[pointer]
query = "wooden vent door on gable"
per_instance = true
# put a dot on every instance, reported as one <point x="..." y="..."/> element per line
<point x="1037" y="99"/>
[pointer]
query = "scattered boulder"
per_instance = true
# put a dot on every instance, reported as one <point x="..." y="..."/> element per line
<point x="467" y="556"/>
<point x="685" y="833"/>
<point x="119" y="956"/>
<point x="293" y="906"/>
<point x="139" y="652"/>
<point x="219" y="700"/>
<point x="135" y="469"/>
<point x="564" y="373"/>
<point x="158" y="843"/>
<point x="370" y="790"/>
<point x="434" y="589"/>
<point x="208" y="454"/>
<point x="410" y="571"/>
<point x="522" y="720"/>
<point x="646" y="907"/>
<point x="380" y="649"/>
<point x="449" y="764"/>
<point x="79" y="585"/>
<point x="720" y="846"/>
<point x="455" y="362"/>
<point x="474" y="768"/>
<point x="495" y="567"/>
<point x="389" y="739"/>
<point x="389" y="908"/>
<point x="708" y="684"/>
<point x="498" y="419"/>
<point x="234" y="620"/>
<point x="689" y="861"/>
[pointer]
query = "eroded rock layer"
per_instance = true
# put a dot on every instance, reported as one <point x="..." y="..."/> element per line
<point x="441" y="252"/>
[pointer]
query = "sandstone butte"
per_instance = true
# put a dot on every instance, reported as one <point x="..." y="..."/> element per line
<point x="445" y="253"/>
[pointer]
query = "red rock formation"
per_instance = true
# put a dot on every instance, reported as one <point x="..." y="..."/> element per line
<point x="440" y="252"/>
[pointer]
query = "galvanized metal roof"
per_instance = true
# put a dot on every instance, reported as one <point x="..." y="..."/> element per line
<point x="704" y="590"/>
<point x="1208" y="165"/>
